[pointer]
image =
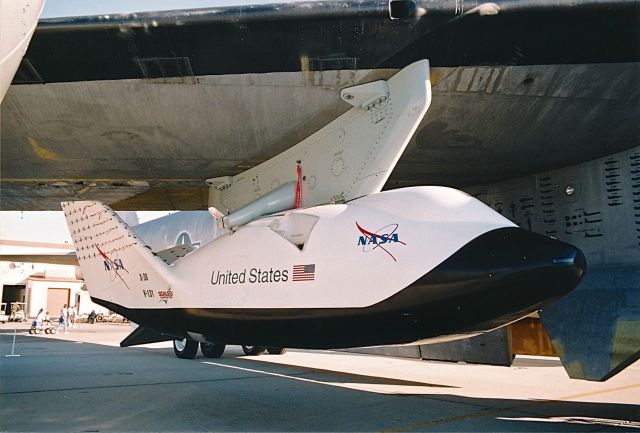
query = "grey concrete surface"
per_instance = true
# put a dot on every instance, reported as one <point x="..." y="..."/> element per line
<point x="81" y="382"/>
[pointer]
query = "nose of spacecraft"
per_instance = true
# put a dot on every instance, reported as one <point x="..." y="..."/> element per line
<point x="518" y="268"/>
<point x="539" y="267"/>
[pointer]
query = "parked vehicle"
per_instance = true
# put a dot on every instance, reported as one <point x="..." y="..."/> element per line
<point x="39" y="326"/>
<point x="91" y="318"/>
<point x="17" y="312"/>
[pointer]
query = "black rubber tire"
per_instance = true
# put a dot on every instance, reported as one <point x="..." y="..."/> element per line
<point x="276" y="350"/>
<point x="212" y="350"/>
<point x="47" y="331"/>
<point x="53" y="331"/>
<point x="185" y="349"/>
<point x="32" y="331"/>
<point x="253" y="350"/>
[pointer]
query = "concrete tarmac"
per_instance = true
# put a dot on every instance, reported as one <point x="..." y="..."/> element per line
<point x="81" y="382"/>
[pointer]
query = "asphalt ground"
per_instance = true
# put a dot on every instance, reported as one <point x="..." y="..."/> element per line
<point x="82" y="382"/>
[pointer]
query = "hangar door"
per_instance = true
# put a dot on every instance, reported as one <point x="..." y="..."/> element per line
<point x="56" y="298"/>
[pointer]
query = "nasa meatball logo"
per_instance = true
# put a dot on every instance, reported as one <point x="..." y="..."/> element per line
<point x="113" y="265"/>
<point x="382" y="239"/>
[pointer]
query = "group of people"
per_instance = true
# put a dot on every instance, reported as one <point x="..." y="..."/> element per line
<point x="66" y="320"/>
<point x="67" y="317"/>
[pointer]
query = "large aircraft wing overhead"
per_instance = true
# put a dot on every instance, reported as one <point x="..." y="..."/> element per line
<point x="351" y="157"/>
<point x="138" y="109"/>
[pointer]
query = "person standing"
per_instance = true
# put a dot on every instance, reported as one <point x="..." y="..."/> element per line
<point x="72" y="316"/>
<point x="39" y="317"/>
<point x="67" y="320"/>
<point x="64" y="318"/>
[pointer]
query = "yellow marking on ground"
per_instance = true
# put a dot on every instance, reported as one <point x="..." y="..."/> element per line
<point x="42" y="153"/>
<point x="591" y="393"/>
<point x="487" y="412"/>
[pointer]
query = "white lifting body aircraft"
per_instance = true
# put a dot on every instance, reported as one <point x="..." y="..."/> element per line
<point x="307" y="252"/>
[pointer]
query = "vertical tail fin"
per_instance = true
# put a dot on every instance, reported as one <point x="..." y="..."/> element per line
<point x="116" y="265"/>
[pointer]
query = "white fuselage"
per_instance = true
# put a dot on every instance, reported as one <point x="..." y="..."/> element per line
<point x="391" y="268"/>
<point x="254" y="266"/>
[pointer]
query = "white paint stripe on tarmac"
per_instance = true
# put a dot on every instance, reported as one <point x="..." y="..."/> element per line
<point x="268" y="373"/>
<point x="378" y="388"/>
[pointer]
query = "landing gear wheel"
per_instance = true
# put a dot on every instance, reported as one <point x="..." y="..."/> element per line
<point x="253" y="350"/>
<point x="53" y="331"/>
<point x="185" y="349"/>
<point x="212" y="350"/>
<point x="47" y="331"/>
<point x="276" y="350"/>
<point x="32" y="331"/>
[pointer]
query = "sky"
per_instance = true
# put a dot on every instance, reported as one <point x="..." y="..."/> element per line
<point x="43" y="227"/>
<point x="66" y="8"/>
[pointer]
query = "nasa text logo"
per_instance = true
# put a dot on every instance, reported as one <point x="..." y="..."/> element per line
<point x="383" y="239"/>
<point x="115" y="265"/>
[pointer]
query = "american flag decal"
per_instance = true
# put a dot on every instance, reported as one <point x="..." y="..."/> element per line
<point x="304" y="272"/>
